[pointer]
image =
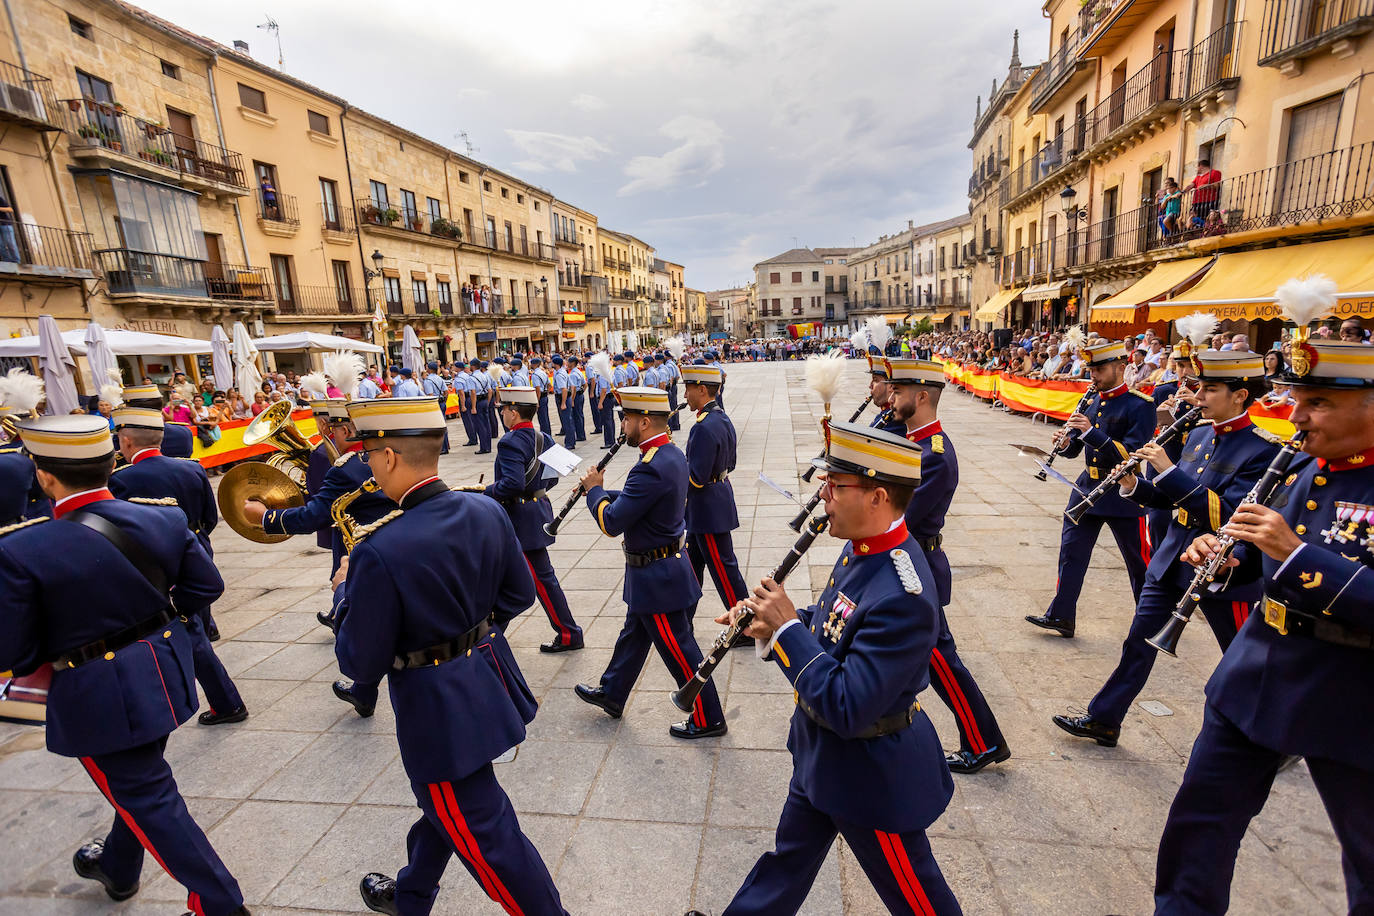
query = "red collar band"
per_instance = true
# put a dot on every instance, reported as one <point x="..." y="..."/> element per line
<point x="1116" y="392"/>
<point x="660" y="439"/>
<point x="1354" y="462"/>
<point x="145" y="454"/>
<point x="79" y="500"/>
<point x="925" y="432"/>
<point x="881" y="543"/>
<point x="1232" y="425"/>
<point x="425" y="482"/>
<point x="523" y="424"/>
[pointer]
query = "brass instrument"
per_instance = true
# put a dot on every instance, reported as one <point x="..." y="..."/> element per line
<point x="348" y="526"/>
<point x="277" y="482"/>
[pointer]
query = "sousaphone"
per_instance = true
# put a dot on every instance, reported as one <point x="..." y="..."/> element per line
<point x="278" y="482"/>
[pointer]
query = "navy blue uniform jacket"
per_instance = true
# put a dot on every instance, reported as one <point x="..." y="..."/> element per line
<point x="158" y="477"/>
<point x="47" y="571"/>
<point x="1123" y="420"/>
<point x="20" y="495"/>
<point x="348" y="474"/>
<point x="319" y="464"/>
<point x="887" y="421"/>
<point x="925" y="514"/>
<point x="710" y="457"/>
<point x="514" y="454"/>
<point x="1292" y="693"/>
<point x="1218" y="467"/>
<point x="649" y="512"/>
<point x="862" y="653"/>
<point x="429" y="575"/>
<point x="177" y="441"/>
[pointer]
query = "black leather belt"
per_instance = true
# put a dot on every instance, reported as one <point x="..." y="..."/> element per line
<point x="528" y="498"/>
<point x="932" y="543"/>
<point x="1291" y="622"/>
<point x="887" y="725"/>
<point x="102" y="648"/>
<point x="444" y="651"/>
<point x="719" y="478"/>
<point x="640" y="560"/>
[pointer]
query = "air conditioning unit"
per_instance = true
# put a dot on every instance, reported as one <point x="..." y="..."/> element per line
<point x="22" y="100"/>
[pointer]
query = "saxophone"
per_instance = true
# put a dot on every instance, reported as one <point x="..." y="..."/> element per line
<point x="338" y="511"/>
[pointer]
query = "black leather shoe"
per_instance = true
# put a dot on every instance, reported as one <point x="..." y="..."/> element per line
<point x="1046" y="622"/>
<point x="212" y="633"/>
<point x="556" y="646"/>
<point x="962" y="761"/>
<point x="689" y="730"/>
<point x="325" y="620"/>
<point x="597" y="697"/>
<point x="223" y="718"/>
<point x="379" y="893"/>
<point x="241" y="911"/>
<point x="342" y="691"/>
<point x="86" y="861"/>
<point x="1088" y="727"/>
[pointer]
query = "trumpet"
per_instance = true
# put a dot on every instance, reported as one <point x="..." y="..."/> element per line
<point x="1070" y="435"/>
<point x="1261" y="494"/>
<point x="1131" y="466"/>
<point x="811" y="471"/>
<point x="685" y="698"/>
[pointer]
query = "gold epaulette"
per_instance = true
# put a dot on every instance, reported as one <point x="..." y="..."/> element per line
<point x="9" y="529"/>
<point x="343" y="459"/>
<point x="937" y="444"/>
<point x="648" y="456"/>
<point x="365" y="530"/>
<point x="154" y="501"/>
<point x="1267" y="436"/>
<point x="120" y="467"/>
<point x="1140" y="394"/>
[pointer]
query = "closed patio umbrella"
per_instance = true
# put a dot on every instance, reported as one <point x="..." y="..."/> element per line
<point x="221" y="363"/>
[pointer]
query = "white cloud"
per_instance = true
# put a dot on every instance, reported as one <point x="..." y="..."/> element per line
<point x="546" y="151"/>
<point x="700" y="153"/>
<point x="588" y="102"/>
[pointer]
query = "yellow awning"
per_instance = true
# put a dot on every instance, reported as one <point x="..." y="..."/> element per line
<point x="990" y="309"/>
<point x="1242" y="285"/>
<point x="939" y="317"/>
<point x="1043" y="292"/>
<point x="1162" y="280"/>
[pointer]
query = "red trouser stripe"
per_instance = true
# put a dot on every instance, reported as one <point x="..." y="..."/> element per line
<point x="719" y="565"/>
<point x="103" y="784"/>
<point x="892" y="848"/>
<point x="170" y="708"/>
<point x="446" y="805"/>
<point x="1145" y="540"/>
<point x="564" y="635"/>
<point x="1240" y="610"/>
<point x="962" y="709"/>
<point x="666" y="632"/>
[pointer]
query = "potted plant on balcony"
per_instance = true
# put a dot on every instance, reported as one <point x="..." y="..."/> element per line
<point x="389" y="215"/>
<point x="445" y="229"/>
<point x="417" y="223"/>
<point x="118" y="110"/>
<point x="73" y="105"/>
<point x="372" y="213"/>
<point x="152" y="129"/>
<point x="435" y="312"/>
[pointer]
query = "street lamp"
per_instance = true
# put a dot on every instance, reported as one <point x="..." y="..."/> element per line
<point x="370" y="275"/>
<point x="1072" y="212"/>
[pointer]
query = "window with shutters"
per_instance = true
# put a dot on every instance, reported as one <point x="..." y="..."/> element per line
<point x="775" y="277"/>
<point x="252" y="98"/>
<point x="318" y="123"/>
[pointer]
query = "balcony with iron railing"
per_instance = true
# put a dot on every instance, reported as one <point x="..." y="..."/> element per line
<point x="596" y="309"/>
<point x="1213" y="65"/>
<point x="45" y="253"/>
<point x="27" y="99"/>
<point x="1056" y="72"/>
<point x="128" y="272"/>
<point x="278" y="213"/>
<point x="104" y="134"/>
<point x="1156" y="88"/>
<point x="313" y="301"/>
<point x="509" y="243"/>
<point x="1294" y="29"/>
<point x="565" y="238"/>
<point x="337" y="223"/>
<point x="375" y="215"/>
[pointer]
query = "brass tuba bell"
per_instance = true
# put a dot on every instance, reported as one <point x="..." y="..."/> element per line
<point x="275" y="427"/>
<point x="279" y="481"/>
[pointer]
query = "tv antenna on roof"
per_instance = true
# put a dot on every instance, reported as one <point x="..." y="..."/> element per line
<point x="467" y="143"/>
<point x="271" y="26"/>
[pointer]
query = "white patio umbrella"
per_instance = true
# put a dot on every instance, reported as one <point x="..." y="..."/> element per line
<point x="412" y="354"/>
<point x="99" y="356"/>
<point x="222" y="364"/>
<point x="245" y="361"/>
<point x="59" y="381"/>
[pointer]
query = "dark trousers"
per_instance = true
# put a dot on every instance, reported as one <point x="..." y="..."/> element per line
<point x="483" y="424"/>
<point x="151" y="815"/>
<point x="551" y="597"/>
<point x="579" y="415"/>
<point x="1225" y="786"/>
<point x="493" y="416"/>
<point x="953" y="683"/>
<point x="1076" y="550"/>
<point x="219" y="688"/>
<point x="469" y="429"/>
<point x="673" y="422"/>
<point x="671" y="635"/>
<point x="900" y="865"/>
<point x="1156" y="604"/>
<point x="543" y="415"/>
<point x="568" y="430"/>
<point x="1160" y="519"/>
<point x="608" y="431"/>
<point x="596" y="416"/>
<point x="473" y="817"/>
<point x="716" y="553"/>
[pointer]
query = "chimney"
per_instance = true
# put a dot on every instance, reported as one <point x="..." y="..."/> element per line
<point x="240" y="46"/>
<point x="910" y="224"/>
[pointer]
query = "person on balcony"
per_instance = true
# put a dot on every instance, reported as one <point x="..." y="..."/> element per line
<point x="9" y="244"/>
<point x="270" y="209"/>
<point x="1206" y="188"/>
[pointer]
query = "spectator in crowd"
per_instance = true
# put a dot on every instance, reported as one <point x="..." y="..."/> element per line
<point x="105" y="409"/>
<point x="259" y="402"/>
<point x="1352" y="331"/>
<point x="239" y="408"/>
<point x="178" y="410"/>
<point x="207" y="391"/>
<point x="1170" y="206"/>
<point x="1215" y="224"/>
<point x="1206" y="188"/>
<point x="1274" y="364"/>
<point x="1137" y="370"/>
<point x="269" y="198"/>
<point x="1155" y="354"/>
<point x="1240" y="343"/>
<point x="220" y="411"/>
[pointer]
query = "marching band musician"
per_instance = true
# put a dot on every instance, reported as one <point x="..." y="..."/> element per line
<point x="20" y="395"/>
<point x="539" y="380"/>
<point x="670" y="374"/>
<point x="177" y="439"/>
<point x="917" y="385"/>
<point x="867" y="763"/>
<point x="1171" y="398"/>
<point x="1117" y="421"/>
<point x="1299" y="677"/>
<point x="577" y="378"/>
<point x="431" y="621"/>
<point x="150" y="475"/>
<point x="660" y="589"/>
<point x="881" y="393"/>
<point x="1219" y="463"/>
<point x="519" y="486"/>
<point x="711" y="512"/>
<point x="122" y="669"/>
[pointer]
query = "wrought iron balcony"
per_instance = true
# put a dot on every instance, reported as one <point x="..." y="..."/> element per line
<point x="1158" y="86"/>
<point x="322" y="300"/>
<point x="1212" y="65"/>
<point x="279" y="209"/>
<point x="128" y="271"/>
<point x="38" y="252"/>
<point x="27" y="98"/>
<point x="337" y="220"/>
<point x="1294" y="29"/>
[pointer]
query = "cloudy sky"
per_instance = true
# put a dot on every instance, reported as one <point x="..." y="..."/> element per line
<point x="720" y="131"/>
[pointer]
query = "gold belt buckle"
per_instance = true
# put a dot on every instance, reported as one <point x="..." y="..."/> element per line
<point x="1276" y="614"/>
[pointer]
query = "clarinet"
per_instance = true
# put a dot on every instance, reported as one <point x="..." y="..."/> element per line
<point x="551" y="528"/>
<point x="1076" y="512"/>
<point x="1073" y="434"/>
<point x="798" y="523"/>
<point x="685" y="698"/>
<point x="1166" y="640"/>
<point x="811" y="471"/>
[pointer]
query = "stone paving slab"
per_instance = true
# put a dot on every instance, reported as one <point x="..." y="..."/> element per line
<point x="304" y="796"/>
